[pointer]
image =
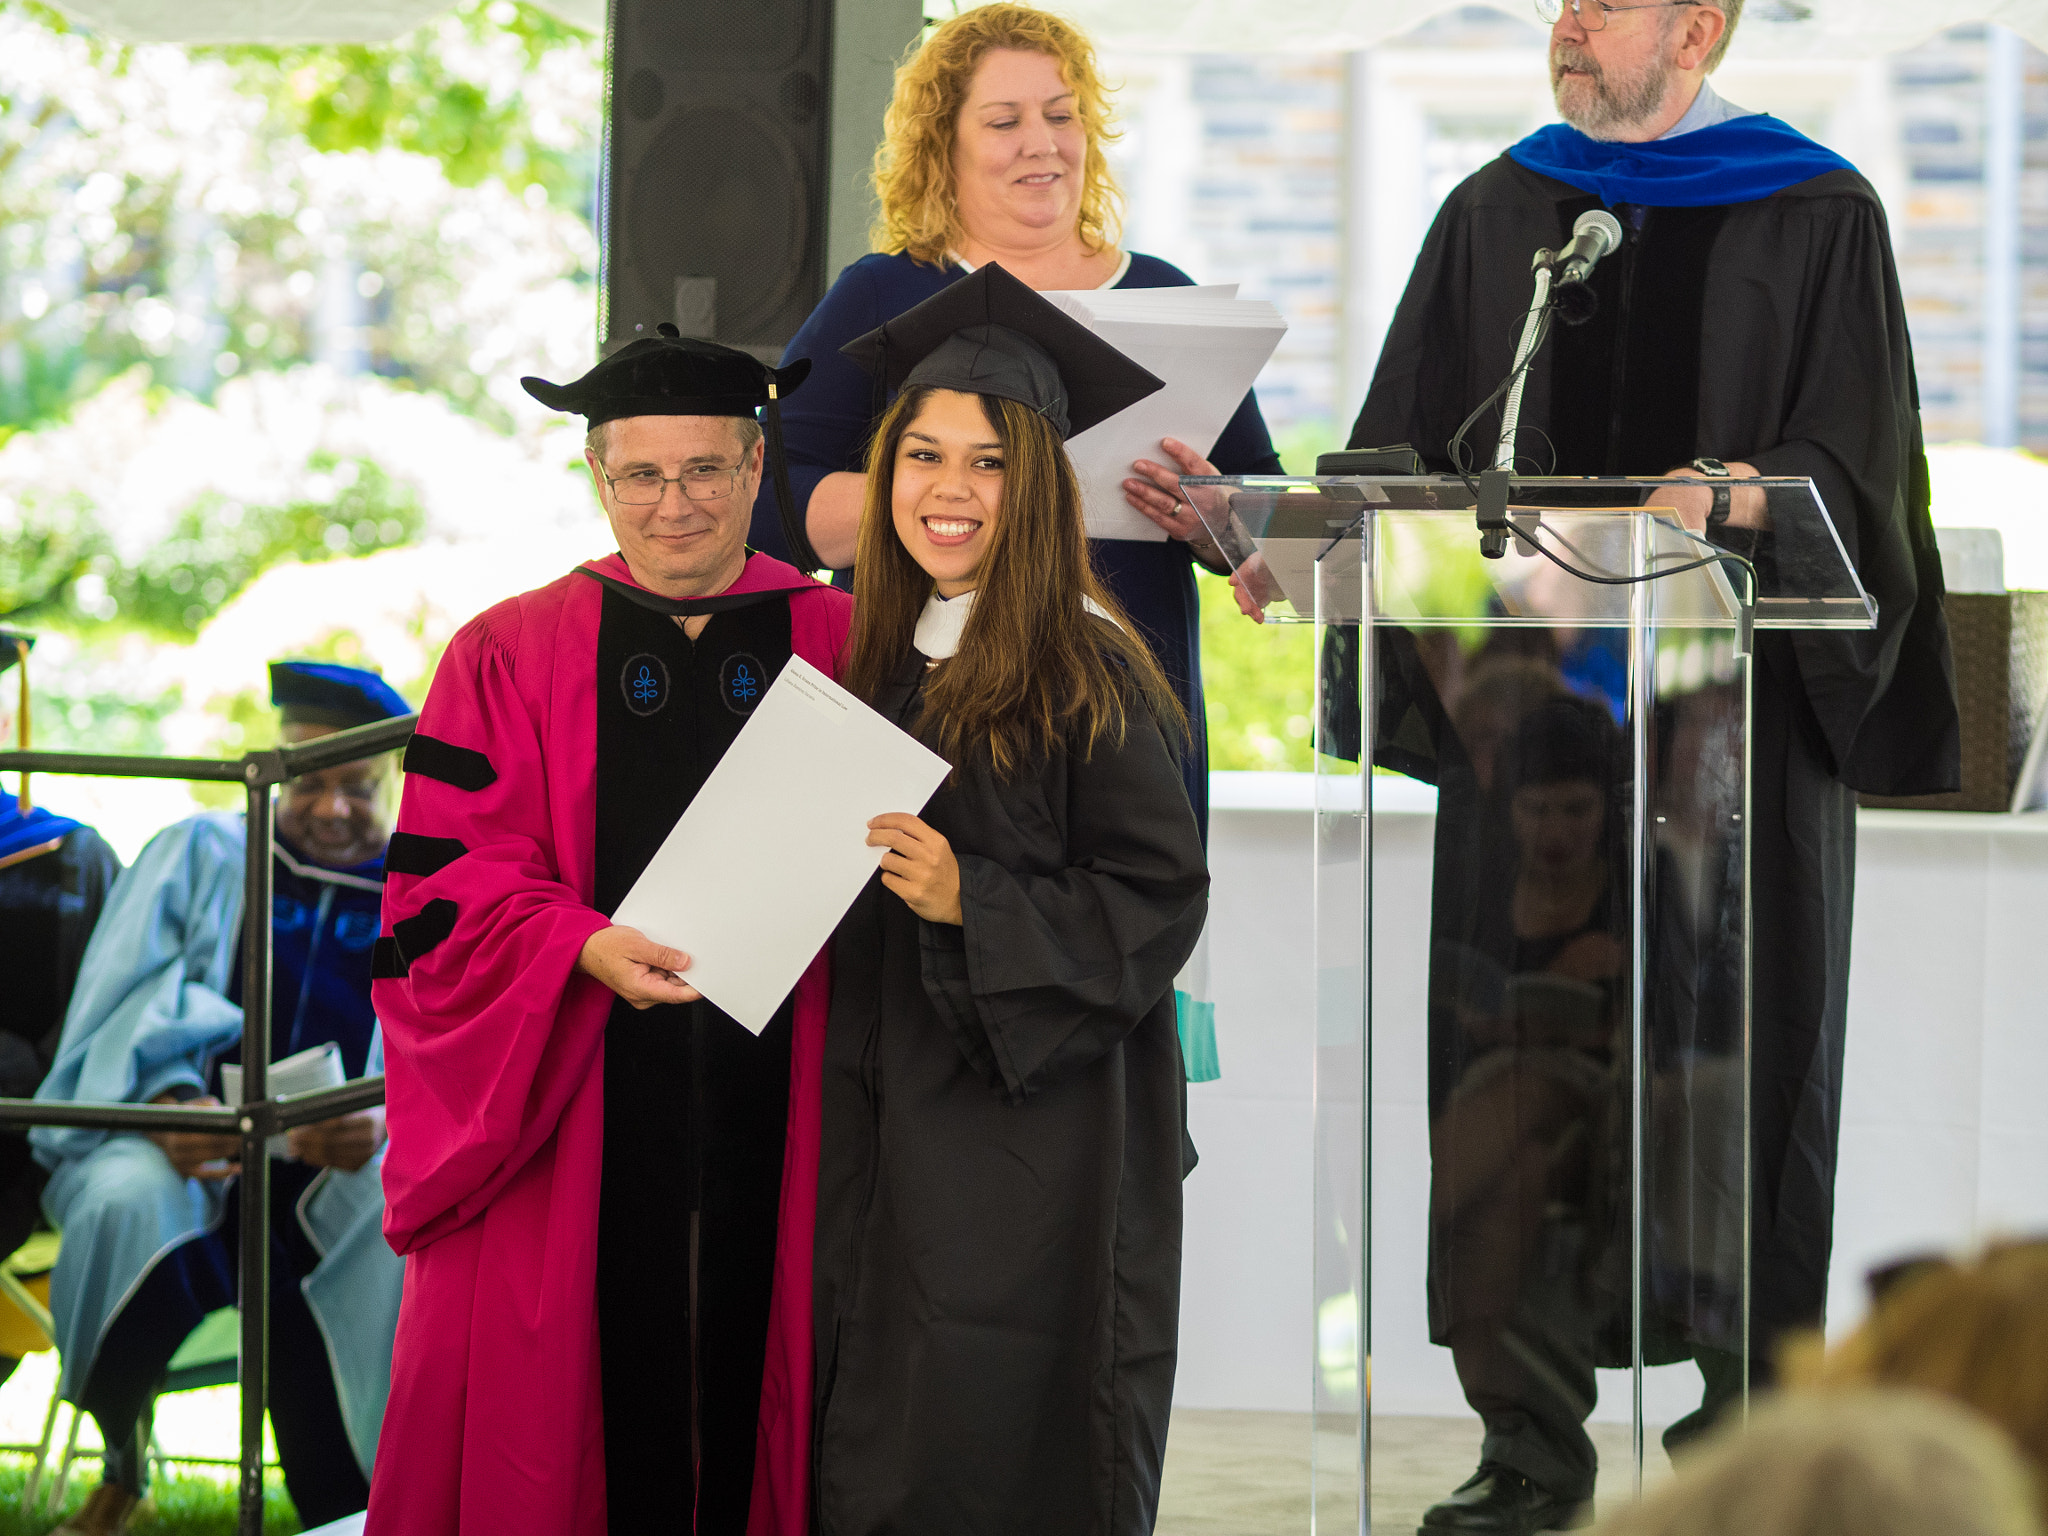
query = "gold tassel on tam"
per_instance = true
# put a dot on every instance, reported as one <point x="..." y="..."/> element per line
<point x="22" y="733"/>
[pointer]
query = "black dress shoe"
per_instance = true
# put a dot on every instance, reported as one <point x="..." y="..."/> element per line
<point x="1499" y="1501"/>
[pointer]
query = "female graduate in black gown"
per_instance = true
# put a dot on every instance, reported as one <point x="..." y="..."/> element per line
<point x="999" y="1227"/>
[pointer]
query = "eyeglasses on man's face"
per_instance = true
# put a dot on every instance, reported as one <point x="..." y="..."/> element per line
<point x="699" y="482"/>
<point x="1592" y="14"/>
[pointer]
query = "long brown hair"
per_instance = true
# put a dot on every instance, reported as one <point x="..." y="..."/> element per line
<point x="916" y="210"/>
<point x="1033" y="670"/>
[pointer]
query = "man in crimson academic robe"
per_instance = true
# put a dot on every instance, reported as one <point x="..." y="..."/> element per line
<point x="603" y="1186"/>
<point x="1750" y="324"/>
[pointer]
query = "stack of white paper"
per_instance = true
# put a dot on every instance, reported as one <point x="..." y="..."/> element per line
<point x="316" y="1067"/>
<point x="1206" y="343"/>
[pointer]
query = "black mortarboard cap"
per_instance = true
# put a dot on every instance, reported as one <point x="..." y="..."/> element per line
<point x="670" y="374"/>
<point x="327" y="693"/>
<point x="12" y="643"/>
<point x="988" y="334"/>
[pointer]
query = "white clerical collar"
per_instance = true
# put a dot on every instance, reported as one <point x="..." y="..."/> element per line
<point x="944" y="620"/>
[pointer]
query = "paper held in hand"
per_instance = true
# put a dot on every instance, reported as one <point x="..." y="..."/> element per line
<point x="316" y="1067"/>
<point x="773" y="850"/>
<point x="1206" y="343"/>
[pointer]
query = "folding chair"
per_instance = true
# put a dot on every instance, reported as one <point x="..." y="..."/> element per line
<point x="209" y="1357"/>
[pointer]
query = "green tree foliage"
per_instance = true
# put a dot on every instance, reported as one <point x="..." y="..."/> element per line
<point x="1258" y="684"/>
<point x="1258" y="680"/>
<point x="413" y="95"/>
<point x="201" y="224"/>
<point x="220" y="545"/>
<point x="74" y="715"/>
<point x="425" y="95"/>
<point x="51" y="541"/>
<point x="217" y="548"/>
<point x="210" y="210"/>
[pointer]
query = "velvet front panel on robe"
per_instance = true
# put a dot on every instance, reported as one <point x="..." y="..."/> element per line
<point x="496" y="1095"/>
<point x="1000" y="1208"/>
<point x="696" y="1104"/>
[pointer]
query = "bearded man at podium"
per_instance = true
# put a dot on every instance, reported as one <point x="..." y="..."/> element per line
<point x="1748" y="325"/>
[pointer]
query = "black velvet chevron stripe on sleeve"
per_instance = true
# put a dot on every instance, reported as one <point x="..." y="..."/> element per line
<point x="386" y="963"/>
<point x="460" y="766"/>
<point x="411" y="854"/>
<point x="410" y="938"/>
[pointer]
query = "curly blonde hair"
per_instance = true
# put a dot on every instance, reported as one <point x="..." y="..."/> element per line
<point x="913" y="175"/>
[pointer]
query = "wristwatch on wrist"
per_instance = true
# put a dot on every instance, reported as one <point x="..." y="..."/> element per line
<point x="1715" y="470"/>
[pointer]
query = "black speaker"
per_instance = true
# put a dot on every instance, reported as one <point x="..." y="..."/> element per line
<point x="720" y="165"/>
<point x="715" y="187"/>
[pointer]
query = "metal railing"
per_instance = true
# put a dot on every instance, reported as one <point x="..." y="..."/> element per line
<point x="260" y="1116"/>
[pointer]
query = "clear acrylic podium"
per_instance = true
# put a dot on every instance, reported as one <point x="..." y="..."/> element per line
<point x="1531" y="949"/>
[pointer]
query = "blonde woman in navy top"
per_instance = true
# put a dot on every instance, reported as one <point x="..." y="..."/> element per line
<point x="994" y="153"/>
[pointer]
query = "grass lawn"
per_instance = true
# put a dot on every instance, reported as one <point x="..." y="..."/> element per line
<point x="187" y="1503"/>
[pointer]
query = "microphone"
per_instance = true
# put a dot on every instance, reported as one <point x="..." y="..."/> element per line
<point x="1596" y="233"/>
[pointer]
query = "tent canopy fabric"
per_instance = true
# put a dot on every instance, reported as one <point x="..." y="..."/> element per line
<point x="283" y="21"/>
<point x="1815" y="29"/>
<point x="1835" y="29"/>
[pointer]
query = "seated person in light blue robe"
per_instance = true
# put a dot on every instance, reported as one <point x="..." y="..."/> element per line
<point x="150" y="1223"/>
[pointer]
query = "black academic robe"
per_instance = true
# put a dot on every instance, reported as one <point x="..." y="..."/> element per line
<point x="999" y="1214"/>
<point x="1770" y="332"/>
<point x="49" y="905"/>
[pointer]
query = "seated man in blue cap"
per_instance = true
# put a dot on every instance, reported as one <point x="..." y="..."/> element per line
<point x="149" y="1222"/>
<point x="54" y="877"/>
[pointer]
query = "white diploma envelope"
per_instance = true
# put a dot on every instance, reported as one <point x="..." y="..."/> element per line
<point x="1206" y="343"/>
<point x="758" y="871"/>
